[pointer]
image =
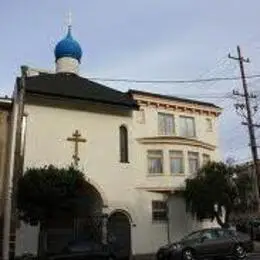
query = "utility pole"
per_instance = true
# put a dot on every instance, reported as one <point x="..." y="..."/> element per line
<point x="249" y="122"/>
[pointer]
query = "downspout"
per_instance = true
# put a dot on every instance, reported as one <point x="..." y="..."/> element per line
<point x="9" y="181"/>
<point x="168" y="219"/>
<point x="16" y="124"/>
<point x="23" y="140"/>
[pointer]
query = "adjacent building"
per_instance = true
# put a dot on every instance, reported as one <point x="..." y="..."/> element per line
<point x="5" y="116"/>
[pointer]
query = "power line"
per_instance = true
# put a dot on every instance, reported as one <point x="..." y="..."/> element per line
<point x="137" y="81"/>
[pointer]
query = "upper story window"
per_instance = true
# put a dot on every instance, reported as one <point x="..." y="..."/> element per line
<point x="155" y="161"/>
<point x="176" y="161"/>
<point x="187" y="126"/>
<point x="166" y="124"/>
<point x="205" y="159"/>
<point x="123" y="141"/>
<point x="193" y="159"/>
<point x="159" y="210"/>
<point x="209" y="125"/>
<point x="141" y="116"/>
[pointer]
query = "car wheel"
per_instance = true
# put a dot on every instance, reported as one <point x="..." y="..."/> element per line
<point x="160" y="256"/>
<point x="239" y="252"/>
<point x="188" y="254"/>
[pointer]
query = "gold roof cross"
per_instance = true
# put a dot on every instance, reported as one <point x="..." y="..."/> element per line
<point x="76" y="138"/>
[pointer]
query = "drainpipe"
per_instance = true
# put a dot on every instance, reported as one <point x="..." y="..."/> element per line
<point x="168" y="219"/>
<point x="9" y="182"/>
<point x="16" y="122"/>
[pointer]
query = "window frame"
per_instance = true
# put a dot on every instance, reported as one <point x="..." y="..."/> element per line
<point x="141" y="116"/>
<point x="154" y="156"/>
<point x="164" y="132"/>
<point x="159" y="210"/>
<point x="123" y="144"/>
<point x="209" y="124"/>
<point x="190" y="153"/>
<point x="177" y="157"/>
<point x="204" y="155"/>
<point x="186" y="128"/>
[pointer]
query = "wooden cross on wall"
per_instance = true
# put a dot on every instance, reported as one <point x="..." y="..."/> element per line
<point x="76" y="138"/>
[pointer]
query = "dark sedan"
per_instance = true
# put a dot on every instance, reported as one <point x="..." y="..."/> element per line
<point x="208" y="243"/>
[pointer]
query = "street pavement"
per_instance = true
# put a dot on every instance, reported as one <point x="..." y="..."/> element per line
<point x="254" y="256"/>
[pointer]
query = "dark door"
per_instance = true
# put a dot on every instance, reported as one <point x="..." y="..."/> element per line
<point x="119" y="234"/>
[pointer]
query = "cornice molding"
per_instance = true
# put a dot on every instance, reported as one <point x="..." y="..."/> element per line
<point x="176" y="140"/>
<point x="177" y="106"/>
<point x="169" y="190"/>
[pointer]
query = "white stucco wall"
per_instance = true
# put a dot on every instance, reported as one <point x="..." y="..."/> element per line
<point x="121" y="183"/>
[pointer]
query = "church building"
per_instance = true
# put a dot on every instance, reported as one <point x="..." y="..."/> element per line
<point x="135" y="148"/>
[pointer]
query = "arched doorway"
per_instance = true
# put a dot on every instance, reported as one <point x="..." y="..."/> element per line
<point x="119" y="234"/>
<point x="87" y="225"/>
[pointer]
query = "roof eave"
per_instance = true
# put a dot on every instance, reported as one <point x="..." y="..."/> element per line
<point x="134" y="106"/>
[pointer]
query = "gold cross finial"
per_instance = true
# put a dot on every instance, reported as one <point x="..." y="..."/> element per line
<point x="69" y="19"/>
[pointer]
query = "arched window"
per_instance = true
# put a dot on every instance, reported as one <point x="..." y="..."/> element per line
<point x="123" y="144"/>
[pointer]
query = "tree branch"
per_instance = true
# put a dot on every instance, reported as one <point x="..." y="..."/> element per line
<point x="219" y="220"/>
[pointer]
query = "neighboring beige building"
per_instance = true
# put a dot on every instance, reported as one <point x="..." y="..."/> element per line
<point x="136" y="149"/>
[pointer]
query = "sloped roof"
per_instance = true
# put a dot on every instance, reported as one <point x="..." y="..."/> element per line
<point x="72" y="86"/>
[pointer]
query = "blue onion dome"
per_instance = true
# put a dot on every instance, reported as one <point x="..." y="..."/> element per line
<point x="68" y="47"/>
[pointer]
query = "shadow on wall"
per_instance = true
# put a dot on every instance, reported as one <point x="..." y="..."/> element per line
<point x="181" y="222"/>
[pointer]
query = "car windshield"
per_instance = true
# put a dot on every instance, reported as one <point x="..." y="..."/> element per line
<point x="193" y="235"/>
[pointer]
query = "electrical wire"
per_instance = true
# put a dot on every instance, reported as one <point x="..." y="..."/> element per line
<point x="191" y="81"/>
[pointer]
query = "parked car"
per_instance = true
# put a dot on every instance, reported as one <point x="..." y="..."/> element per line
<point x="208" y="243"/>
<point x="83" y="249"/>
<point x="248" y="226"/>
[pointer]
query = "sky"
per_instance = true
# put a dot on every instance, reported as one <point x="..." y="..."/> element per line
<point x="146" y="40"/>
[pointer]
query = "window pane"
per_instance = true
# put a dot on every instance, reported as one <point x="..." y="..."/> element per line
<point x="155" y="161"/>
<point x="194" y="235"/>
<point x="190" y="127"/>
<point x="176" y="165"/>
<point x="165" y="124"/>
<point x="205" y="158"/>
<point x="209" y="126"/>
<point x="193" y="159"/>
<point x="158" y="204"/>
<point x="141" y="116"/>
<point x="187" y="126"/>
<point x="159" y="210"/>
<point x="176" y="162"/>
<point x="161" y="123"/>
<point x="155" y="165"/>
<point x="123" y="144"/>
<point x="182" y="126"/>
<point x="169" y="125"/>
<point x="160" y="216"/>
